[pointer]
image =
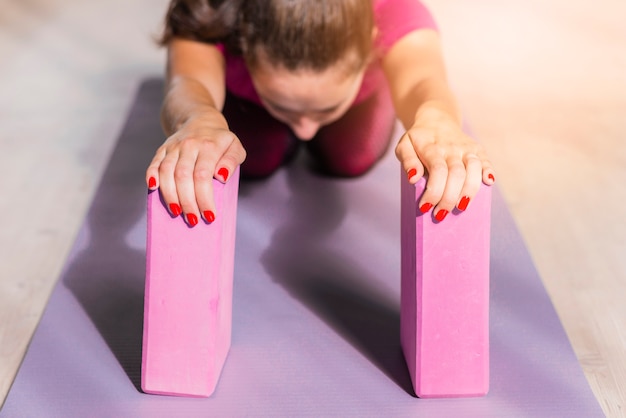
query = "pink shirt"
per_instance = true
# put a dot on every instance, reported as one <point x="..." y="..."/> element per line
<point x="394" y="19"/>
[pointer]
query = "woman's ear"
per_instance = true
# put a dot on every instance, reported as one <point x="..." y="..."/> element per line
<point x="374" y="33"/>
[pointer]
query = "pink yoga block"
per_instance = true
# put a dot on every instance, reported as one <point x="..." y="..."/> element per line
<point x="188" y="299"/>
<point x="444" y="317"/>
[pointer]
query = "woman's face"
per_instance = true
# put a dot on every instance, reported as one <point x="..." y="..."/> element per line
<point x="306" y="100"/>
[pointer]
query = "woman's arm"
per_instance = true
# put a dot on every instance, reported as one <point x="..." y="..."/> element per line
<point x="434" y="141"/>
<point x="195" y="82"/>
<point x="199" y="146"/>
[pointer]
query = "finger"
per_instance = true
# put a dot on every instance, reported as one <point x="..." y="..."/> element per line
<point x="203" y="184"/>
<point x="152" y="172"/>
<point x="411" y="164"/>
<point x="233" y="157"/>
<point x="207" y="169"/>
<point x="437" y="169"/>
<point x="488" y="173"/>
<point x="184" y="179"/>
<point x="167" y="185"/>
<point x="453" y="185"/>
<point x="473" y="178"/>
<point x="432" y="159"/>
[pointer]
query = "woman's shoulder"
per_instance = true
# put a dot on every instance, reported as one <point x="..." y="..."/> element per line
<point x="396" y="18"/>
<point x="402" y="11"/>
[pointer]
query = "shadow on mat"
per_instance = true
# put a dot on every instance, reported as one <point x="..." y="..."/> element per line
<point x="107" y="277"/>
<point x="301" y="258"/>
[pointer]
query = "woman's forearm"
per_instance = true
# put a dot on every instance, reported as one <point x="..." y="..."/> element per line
<point x="434" y="142"/>
<point x="195" y="85"/>
<point x="199" y="146"/>
<point x="431" y="94"/>
<point x="417" y="78"/>
<point x="187" y="99"/>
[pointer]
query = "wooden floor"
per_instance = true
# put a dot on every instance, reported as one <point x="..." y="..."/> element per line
<point x="542" y="82"/>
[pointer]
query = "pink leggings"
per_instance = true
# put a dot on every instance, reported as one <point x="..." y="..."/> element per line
<point x="347" y="147"/>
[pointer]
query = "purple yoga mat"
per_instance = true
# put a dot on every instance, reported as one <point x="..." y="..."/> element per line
<point x="316" y="307"/>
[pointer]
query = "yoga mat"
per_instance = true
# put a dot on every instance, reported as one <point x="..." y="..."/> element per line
<point x="316" y="307"/>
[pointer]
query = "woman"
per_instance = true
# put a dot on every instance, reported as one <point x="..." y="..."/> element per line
<point x="248" y="81"/>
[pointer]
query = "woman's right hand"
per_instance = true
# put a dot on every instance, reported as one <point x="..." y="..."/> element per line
<point x="185" y="165"/>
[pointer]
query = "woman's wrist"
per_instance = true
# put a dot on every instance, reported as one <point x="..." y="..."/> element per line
<point x="187" y="102"/>
<point x="436" y="110"/>
<point x="207" y="116"/>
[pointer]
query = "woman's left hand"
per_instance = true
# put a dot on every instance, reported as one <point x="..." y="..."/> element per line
<point x="454" y="162"/>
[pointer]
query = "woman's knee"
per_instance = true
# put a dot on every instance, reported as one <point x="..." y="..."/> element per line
<point x="268" y="142"/>
<point x="351" y="146"/>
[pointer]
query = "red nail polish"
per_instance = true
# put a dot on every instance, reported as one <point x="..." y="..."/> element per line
<point x="209" y="216"/>
<point x="151" y="183"/>
<point x="491" y="177"/>
<point x="223" y="172"/>
<point x="463" y="203"/>
<point x="411" y="173"/>
<point x="192" y="219"/>
<point x="175" y="209"/>
<point x="441" y="215"/>
<point x="425" y="207"/>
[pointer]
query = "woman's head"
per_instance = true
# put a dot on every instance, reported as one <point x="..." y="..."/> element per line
<point x="305" y="99"/>
<point x="293" y="34"/>
<point x="306" y="57"/>
<point x="305" y="34"/>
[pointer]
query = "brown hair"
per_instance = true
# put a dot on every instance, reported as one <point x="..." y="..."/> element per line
<point x="296" y="34"/>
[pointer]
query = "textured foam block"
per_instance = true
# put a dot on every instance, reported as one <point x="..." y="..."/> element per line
<point x="445" y="296"/>
<point x="188" y="299"/>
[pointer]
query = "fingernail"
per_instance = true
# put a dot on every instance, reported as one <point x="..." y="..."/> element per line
<point x="425" y="207"/>
<point x="463" y="203"/>
<point x="151" y="183"/>
<point x="223" y="172"/>
<point x="209" y="216"/>
<point x="411" y="173"/>
<point x="175" y="209"/>
<point x="491" y="177"/>
<point x="192" y="219"/>
<point x="441" y="215"/>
